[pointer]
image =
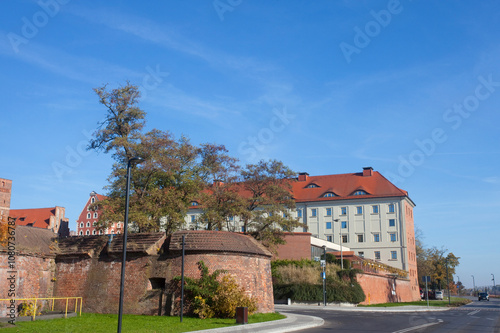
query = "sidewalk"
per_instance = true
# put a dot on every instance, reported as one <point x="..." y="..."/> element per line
<point x="293" y="322"/>
<point x="404" y="308"/>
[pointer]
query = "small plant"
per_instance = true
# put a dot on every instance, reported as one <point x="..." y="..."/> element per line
<point x="26" y="309"/>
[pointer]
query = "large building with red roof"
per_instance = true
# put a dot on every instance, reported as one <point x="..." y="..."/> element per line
<point x="363" y="211"/>
<point x="51" y="218"/>
<point x="87" y="221"/>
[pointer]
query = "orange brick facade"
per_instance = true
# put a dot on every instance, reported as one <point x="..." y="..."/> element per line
<point x="297" y="246"/>
<point x="384" y="289"/>
<point x="5" y="195"/>
<point x="411" y="252"/>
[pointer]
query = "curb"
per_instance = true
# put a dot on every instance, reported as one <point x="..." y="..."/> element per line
<point x="292" y="322"/>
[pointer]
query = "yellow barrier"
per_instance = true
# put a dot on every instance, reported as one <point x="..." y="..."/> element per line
<point x="36" y="299"/>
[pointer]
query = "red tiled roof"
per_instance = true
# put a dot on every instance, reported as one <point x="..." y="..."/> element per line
<point x="216" y="241"/>
<point x="344" y="185"/>
<point x="38" y="217"/>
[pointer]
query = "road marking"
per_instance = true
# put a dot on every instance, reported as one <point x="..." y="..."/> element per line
<point x="409" y="329"/>
<point x="473" y="313"/>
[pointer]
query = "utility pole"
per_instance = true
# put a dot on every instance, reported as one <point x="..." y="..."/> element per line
<point x="324" y="275"/>
<point x="448" y="282"/>
<point x="494" y="288"/>
<point x="474" y="284"/>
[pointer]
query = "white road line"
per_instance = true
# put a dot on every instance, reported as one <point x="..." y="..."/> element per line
<point x="473" y="313"/>
<point x="409" y="329"/>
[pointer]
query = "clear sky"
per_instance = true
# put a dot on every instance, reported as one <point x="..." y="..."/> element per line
<point x="410" y="88"/>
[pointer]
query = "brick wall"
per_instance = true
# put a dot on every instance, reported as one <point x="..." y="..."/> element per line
<point x="384" y="289"/>
<point x="33" y="278"/>
<point x="97" y="280"/>
<point x="297" y="246"/>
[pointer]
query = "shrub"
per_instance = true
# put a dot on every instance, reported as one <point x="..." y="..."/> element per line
<point x="213" y="297"/>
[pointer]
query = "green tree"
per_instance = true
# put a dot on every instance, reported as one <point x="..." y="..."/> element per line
<point x="163" y="186"/>
<point x="266" y="188"/>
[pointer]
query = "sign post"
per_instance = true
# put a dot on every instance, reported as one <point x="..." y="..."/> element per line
<point x="426" y="279"/>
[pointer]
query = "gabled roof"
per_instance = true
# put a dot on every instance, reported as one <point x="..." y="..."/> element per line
<point x="37" y="217"/>
<point x="344" y="185"/>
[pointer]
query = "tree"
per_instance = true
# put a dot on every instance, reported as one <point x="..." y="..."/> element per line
<point x="266" y="188"/>
<point x="432" y="262"/>
<point x="162" y="187"/>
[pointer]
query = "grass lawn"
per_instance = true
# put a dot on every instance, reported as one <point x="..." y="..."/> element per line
<point x="455" y="301"/>
<point x="91" y="322"/>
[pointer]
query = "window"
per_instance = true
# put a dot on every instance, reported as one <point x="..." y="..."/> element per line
<point x="328" y="212"/>
<point x="231" y="218"/>
<point x="391" y="208"/>
<point x="92" y="200"/>
<point x="193" y="218"/>
<point x="194" y="203"/>
<point x="343" y="210"/>
<point x="344" y="224"/>
<point x="95" y="215"/>
<point x="392" y="222"/>
<point x="377" y="255"/>
<point x="156" y="284"/>
<point x="88" y="224"/>
<point x="361" y="254"/>
<point x="243" y="228"/>
<point x="361" y="238"/>
<point x="376" y="238"/>
<point x="299" y="212"/>
<point x="328" y="195"/>
<point x="314" y="212"/>
<point x="328" y="225"/>
<point x="345" y="239"/>
<point x="394" y="255"/>
<point x="329" y="238"/>
<point x="100" y="232"/>
<point x="360" y="192"/>
<point x="375" y="209"/>
<point x="312" y="185"/>
<point x="359" y="210"/>
<point x="93" y="232"/>
<point x="284" y="215"/>
<point x="81" y="233"/>
<point x="88" y="215"/>
<point x="393" y="236"/>
<point x="81" y="225"/>
<point x="87" y="232"/>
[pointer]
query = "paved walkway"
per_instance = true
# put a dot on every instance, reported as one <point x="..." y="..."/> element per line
<point x="295" y="322"/>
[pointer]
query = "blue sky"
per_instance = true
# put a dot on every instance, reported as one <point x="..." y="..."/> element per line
<point x="411" y="88"/>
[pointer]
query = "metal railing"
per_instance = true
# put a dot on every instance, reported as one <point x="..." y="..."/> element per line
<point x="36" y="299"/>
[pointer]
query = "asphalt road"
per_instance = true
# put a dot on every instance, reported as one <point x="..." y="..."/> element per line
<point x="481" y="317"/>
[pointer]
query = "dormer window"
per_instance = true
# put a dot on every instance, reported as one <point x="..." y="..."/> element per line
<point x="328" y="195"/>
<point x="312" y="185"/>
<point x="360" y="192"/>
<point x="194" y="203"/>
<point x="92" y="200"/>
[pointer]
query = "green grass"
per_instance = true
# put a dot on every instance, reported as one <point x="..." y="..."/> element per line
<point x="455" y="301"/>
<point x="91" y="322"/>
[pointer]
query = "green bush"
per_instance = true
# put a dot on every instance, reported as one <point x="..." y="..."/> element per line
<point x="211" y="297"/>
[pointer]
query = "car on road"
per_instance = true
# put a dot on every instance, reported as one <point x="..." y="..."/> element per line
<point x="483" y="296"/>
<point x="438" y="294"/>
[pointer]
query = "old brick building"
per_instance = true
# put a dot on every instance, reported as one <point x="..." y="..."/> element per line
<point x="51" y="218"/>
<point x="90" y="267"/>
<point x="86" y="223"/>
<point x="5" y="194"/>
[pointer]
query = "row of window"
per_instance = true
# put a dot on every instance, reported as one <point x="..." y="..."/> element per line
<point x="94" y="224"/>
<point x="89" y="215"/>
<point x="393" y="237"/>
<point x="329" y="225"/>
<point x="376" y="254"/>
<point x="343" y="210"/>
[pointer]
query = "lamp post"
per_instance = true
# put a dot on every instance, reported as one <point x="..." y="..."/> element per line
<point x="494" y="291"/>
<point x="324" y="276"/>
<point x="134" y="160"/>
<point x="474" y="284"/>
<point x="448" y="282"/>
<point x="340" y="234"/>
<point x="458" y="288"/>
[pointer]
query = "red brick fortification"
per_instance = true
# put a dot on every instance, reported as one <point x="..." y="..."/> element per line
<point x="384" y="289"/>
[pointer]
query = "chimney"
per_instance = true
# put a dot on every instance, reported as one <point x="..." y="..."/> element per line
<point x="303" y="176"/>
<point x="367" y="172"/>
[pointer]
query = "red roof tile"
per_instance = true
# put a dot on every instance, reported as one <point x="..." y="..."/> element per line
<point x="37" y="217"/>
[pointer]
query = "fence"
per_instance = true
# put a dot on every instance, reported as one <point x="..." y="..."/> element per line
<point x="53" y="299"/>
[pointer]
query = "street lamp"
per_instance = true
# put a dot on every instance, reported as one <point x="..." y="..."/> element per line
<point x="494" y="291"/>
<point x="134" y="160"/>
<point x="324" y="276"/>
<point x="458" y="289"/>
<point x="474" y="284"/>
<point x="340" y="234"/>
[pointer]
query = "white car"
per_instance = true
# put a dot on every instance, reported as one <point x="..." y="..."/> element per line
<point x="438" y="295"/>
